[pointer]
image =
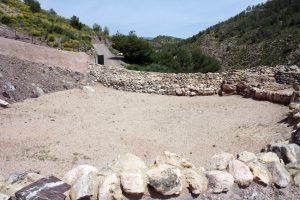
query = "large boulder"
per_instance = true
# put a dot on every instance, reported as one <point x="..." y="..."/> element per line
<point x="86" y="187"/>
<point x="4" y="196"/>
<point x="247" y="157"/>
<point x="219" y="181"/>
<point x="297" y="179"/>
<point x="73" y="175"/>
<point x="165" y="179"/>
<point x="173" y="159"/>
<point x="268" y="157"/>
<point x="196" y="180"/>
<point x="128" y="161"/>
<point x="221" y="161"/>
<point x="291" y="153"/>
<point x="260" y="173"/>
<point x="241" y="173"/>
<point x="133" y="182"/>
<point x="110" y="188"/>
<point x="281" y="176"/>
<point x="296" y="137"/>
<point x="4" y="104"/>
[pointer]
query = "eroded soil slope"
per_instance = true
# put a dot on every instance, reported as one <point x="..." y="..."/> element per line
<point x="20" y="79"/>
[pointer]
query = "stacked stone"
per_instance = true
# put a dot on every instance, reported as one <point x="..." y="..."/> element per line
<point x="196" y="84"/>
<point x="288" y="75"/>
<point x="171" y="175"/>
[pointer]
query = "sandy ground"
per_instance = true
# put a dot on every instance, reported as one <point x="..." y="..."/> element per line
<point x="60" y="130"/>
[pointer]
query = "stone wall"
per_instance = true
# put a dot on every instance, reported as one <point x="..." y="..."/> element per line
<point x="197" y="84"/>
<point x="288" y="75"/>
<point x="244" y="176"/>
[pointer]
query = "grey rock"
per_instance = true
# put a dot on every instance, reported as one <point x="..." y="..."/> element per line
<point x="293" y="168"/>
<point x="133" y="182"/>
<point x="260" y="173"/>
<point x="196" y="180"/>
<point x="291" y="153"/>
<point x="268" y="157"/>
<point x="128" y="161"/>
<point x="219" y="181"/>
<point x="73" y="175"/>
<point x="86" y="187"/>
<point x="4" y="196"/>
<point x="297" y="179"/>
<point x="247" y="157"/>
<point x="4" y="104"/>
<point x="165" y="179"/>
<point x="281" y="176"/>
<point x="110" y="188"/>
<point x="173" y="159"/>
<point x="88" y="89"/>
<point x="38" y="92"/>
<point x="296" y="137"/>
<point x="221" y="161"/>
<point x="8" y="86"/>
<point x="241" y="173"/>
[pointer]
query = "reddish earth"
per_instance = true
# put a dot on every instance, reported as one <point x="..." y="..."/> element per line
<point x="74" y="61"/>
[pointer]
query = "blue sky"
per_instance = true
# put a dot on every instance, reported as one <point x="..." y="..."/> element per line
<point x="150" y="18"/>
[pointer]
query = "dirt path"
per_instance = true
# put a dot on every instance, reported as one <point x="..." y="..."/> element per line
<point x="109" y="58"/>
<point x="63" y="129"/>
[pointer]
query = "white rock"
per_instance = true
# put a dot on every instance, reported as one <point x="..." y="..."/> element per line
<point x="247" y="157"/>
<point x="110" y="188"/>
<point x="73" y="175"/>
<point x="281" y="176"/>
<point x="86" y="187"/>
<point x="221" y="161"/>
<point x="197" y="182"/>
<point x="260" y="173"/>
<point x="4" y="196"/>
<point x="173" y="159"/>
<point x="133" y="181"/>
<point x="3" y="103"/>
<point x="268" y="157"/>
<point x="128" y="161"/>
<point x="241" y="173"/>
<point x="219" y="181"/>
<point x="165" y="179"/>
<point x="88" y="89"/>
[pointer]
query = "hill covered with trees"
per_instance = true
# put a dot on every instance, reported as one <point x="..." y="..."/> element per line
<point x="47" y="26"/>
<point x="266" y="34"/>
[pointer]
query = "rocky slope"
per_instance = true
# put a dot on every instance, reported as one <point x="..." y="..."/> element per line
<point x="267" y="34"/>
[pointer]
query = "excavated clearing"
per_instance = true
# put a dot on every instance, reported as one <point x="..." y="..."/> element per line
<point x="53" y="133"/>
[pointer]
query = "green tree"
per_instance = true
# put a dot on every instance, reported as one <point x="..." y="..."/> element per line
<point x="97" y="28"/>
<point x="106" y="31"/>
<point x="34" y="5"/>
<point x="75" y="22"/>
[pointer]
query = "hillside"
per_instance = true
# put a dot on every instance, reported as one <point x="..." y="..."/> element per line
<point x="266" y="34"/>
<point x="46" y="26"/>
